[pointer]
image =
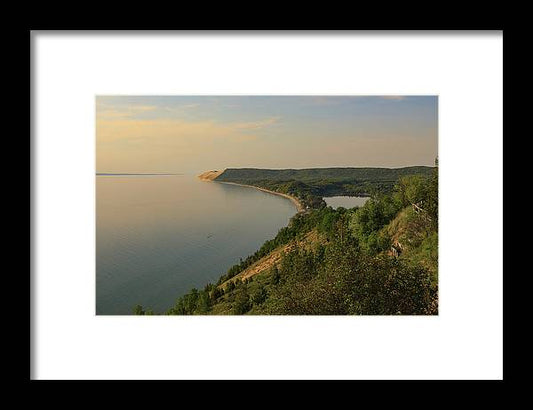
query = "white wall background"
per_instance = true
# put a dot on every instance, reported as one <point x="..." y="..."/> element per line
<point x="464" y="341"/>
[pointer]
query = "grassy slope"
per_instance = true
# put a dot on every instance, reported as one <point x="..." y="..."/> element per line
<point x="417" y="240"/>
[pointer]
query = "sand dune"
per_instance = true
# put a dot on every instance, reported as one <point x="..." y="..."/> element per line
<point x="209" y="175"/>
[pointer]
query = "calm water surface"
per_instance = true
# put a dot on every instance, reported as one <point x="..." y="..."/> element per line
<point x="345" y="201"/>
<point x="159" y="236"/>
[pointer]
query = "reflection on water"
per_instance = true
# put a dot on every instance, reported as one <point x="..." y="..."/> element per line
<point x="159" y="236"/>
<point x="345" y="201"/>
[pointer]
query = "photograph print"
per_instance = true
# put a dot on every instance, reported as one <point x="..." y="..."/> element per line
<point x="267" y="205"/>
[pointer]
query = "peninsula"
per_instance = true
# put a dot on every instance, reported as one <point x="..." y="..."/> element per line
<point x="213" y="175"/>
<point x="307" y="187"/>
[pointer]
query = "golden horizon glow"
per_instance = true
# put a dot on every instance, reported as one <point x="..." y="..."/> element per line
<point x="191" y="134"/>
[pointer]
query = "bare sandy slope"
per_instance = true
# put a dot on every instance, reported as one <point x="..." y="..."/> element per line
<point x="210" y="175"/>
<point x="264" y="264"/>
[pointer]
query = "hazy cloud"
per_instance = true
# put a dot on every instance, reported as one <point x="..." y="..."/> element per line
<point x="254" y="125"/>
<point x="104" y="112"/>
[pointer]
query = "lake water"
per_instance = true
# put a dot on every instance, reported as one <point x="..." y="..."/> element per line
<point x="345" y="201"/>
<point x="159" y="236"/>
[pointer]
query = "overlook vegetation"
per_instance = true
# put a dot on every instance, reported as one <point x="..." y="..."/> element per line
<point x="379" y="259"/>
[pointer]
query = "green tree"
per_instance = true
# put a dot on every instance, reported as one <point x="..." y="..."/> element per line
<point x="230" y="286"/>
<point x="412" y="189"/>
<point x="204" y="303"/>
<point x="274" y="272"/>
<point x="216" y="293"/>
<point x="138" y="310"/>
<point x="242" y="303"/>
<point x="432" y="200"/>
<point x="259" y="296"/>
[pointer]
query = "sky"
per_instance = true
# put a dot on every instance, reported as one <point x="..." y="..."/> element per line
<point x="192" y="134"/>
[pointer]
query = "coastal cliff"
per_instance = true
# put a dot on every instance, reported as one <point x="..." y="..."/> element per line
<point x="210" y="175"/>
<point x="377" y="259"/>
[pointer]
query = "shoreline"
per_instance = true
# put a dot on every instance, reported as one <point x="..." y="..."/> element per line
<point x="299" y="206"/>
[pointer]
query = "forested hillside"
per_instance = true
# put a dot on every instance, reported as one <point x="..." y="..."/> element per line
<point x="310" y="185"/>
<point x="380" y="259"/>
<point x="318" y="174"/>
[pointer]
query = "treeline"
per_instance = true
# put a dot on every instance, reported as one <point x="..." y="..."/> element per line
<point x="379" y="259"/>
<point x="310" y="185"/>
<point x="316" y="174"/>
